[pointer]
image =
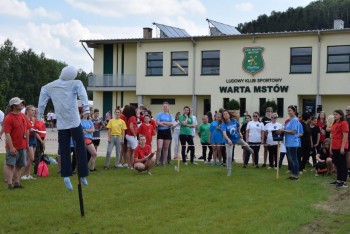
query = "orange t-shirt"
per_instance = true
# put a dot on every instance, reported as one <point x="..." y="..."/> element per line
<point x="141" y="153"/>
<point x="338" y="128"/>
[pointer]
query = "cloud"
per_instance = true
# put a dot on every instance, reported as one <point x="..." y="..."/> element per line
<point x="56" y="41"/>
<point x="19" y="9"/>
<point x="244" y="6"/>
<point x="119" y="8"/>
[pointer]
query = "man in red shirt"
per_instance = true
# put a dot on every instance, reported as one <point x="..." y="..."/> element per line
<point x="16" y="128"/>
<point x="143" y="156"/>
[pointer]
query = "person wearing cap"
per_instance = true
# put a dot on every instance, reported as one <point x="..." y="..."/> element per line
<point x="64" y="93"/>
<point x="16" y="128"/>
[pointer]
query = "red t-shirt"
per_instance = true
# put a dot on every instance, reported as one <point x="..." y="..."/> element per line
<point x="141" y="153"/>
<point x="40" y="126"/>
<point x="321" y="126"/>
<point x="148" y="131"/>
<point x="133" y="120"/>
<point x="17" y="125"/>
<point x="338" y="128"/>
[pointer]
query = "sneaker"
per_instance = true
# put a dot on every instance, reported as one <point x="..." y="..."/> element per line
<point x="334" y="183"/>
<point x="228" y="172"/>
<point x="31" y="177"/>
<point x="10" y="187"/>
<point x="269" y="168"/>
<point x="18" y="186"/>
<point x="106" y="168"/>
<point x="93" y="170"/>
<point x="316" y="174"/>
<point x="194" y="163"/>
<point x="84" y="181"/>
<point x="201" y="157"/>
<point x="300" y="172"/>
<point x="120" y="165"/>
<point x="149" y="173"/>
<point x="206" y="162"/>
<point x="223" y="164"/>
<point x="68" y="184"/>
<point x="25" y="177"/>
<point x="125" y="165"/>
<point x="213" y="164"/>
<point x="264" y="165"/>
<point x="294" y="178"/>
<point x="185" y="163"/>
<point x="312" y="169"/>
<point x="258" y="166"/>
<point x="304" y="170"/>
<point x="342" y="185"/>
<point x="287" y="171"/>
<point x="244" y="166"/>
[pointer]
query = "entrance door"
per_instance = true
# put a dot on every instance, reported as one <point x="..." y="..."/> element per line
<point x="207" y="104"/>
<point x="309" y="105"/>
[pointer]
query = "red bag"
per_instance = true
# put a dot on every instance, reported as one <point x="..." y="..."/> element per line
<point x="43" y="169"/>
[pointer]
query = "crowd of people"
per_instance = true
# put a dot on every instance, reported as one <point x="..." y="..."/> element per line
<point x="131" y="131"/>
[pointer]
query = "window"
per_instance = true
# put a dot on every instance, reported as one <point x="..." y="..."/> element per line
<point x="338" y="59"/>
<point x="160" y="101"/>
<point x="280" y="107"/>
<point x="179" y="63"/>
<point x="242" y="106"/>
<point x="262" y="111"/>
<point x="225" y="103"/>
<point x="301" y="60"/>
<point x="154" y="64"/>
<point x="211" y="62"/>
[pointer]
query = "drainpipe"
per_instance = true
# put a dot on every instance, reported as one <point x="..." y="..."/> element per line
<point x="318" y="96"/>
<point x="194" y="97"/>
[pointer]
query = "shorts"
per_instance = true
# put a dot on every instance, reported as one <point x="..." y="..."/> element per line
<point x="132" y="141"/>
<point x="32" y="142"/>
<point x="96" y="142"/>
<point x="88" y="141"/>
<point x="164" y="134"/>
<point x="18" y="160"/>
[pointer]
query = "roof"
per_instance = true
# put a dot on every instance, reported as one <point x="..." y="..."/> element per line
<point x="93" y="43"/>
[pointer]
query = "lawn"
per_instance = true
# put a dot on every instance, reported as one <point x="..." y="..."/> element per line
<point x="198" y="199"/>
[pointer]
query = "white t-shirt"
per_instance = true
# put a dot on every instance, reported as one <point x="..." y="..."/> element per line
<point x="2" y="116"/>
<point x="53" y="116"/>
<point x="49" y="116"/>
<point x="269" y="128"/>
<point x="255" y="128"/>
<point x="194" y="119"/>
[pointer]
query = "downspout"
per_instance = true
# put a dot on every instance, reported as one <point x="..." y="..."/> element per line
<point x="87" y="51"/>
<point x="194" y="97"/>
<point x="318" y="96"/>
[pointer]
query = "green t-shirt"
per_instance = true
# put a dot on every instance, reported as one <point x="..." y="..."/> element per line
<point x="185" y="130"/>
<point x="203" y="130"/>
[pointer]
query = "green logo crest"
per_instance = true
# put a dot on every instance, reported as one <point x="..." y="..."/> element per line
<point x="253" y="61"/>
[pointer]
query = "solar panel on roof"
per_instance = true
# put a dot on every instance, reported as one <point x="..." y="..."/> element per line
<point x="169" y="31"/>
<point x="222" y="29"/>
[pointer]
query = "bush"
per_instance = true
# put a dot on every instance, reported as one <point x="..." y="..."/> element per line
<point x="271" y="104"/>
<point x="232" y="105"/>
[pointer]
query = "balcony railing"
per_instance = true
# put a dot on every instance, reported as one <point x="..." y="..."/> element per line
<point x="107" y="80"/>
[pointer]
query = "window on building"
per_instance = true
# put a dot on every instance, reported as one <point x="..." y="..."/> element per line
<point x="225" y="103"/>
<point x="179" y="63"/>
<point x="154" y="64"/>
<point x="262" y="109"/>
<point x="280" y="107"/>
<point x="242" y="107"/>
<point x="301" y="60"/>
<point x="211" y="62"/>
<point x="160" y="101"/>
<point x="338" y="59"/>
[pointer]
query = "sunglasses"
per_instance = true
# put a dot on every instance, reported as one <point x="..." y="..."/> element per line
<point x="347" y="110"/>
<point x="273" y="117"/>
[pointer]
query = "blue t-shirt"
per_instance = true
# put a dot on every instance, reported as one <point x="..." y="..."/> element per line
<point x="231" y="129"/>
<point x="293" y="140"/>
<point x="87" y="124"/>
<point x="164" y="117"/>
<point x="215" y="133"/>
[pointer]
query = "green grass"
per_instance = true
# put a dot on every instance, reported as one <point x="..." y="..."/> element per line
<point x="198" y="199"/>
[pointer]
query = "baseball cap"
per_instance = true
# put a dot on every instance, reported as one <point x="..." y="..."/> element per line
<point x="15" y="101"/>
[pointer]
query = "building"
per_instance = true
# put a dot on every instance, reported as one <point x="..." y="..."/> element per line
<point x="310" y="69"/>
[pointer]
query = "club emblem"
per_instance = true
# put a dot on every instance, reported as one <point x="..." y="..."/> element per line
<point x="253" y="61"/>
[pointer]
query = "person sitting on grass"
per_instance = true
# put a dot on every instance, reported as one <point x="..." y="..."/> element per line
<point x="143" y="156"/>
<point x="324" y="158"/>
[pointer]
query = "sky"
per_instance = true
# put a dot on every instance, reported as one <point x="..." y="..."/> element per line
<point x="54" y="27"/>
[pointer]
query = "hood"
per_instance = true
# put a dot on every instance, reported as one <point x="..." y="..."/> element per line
<point x="68" y="73"/>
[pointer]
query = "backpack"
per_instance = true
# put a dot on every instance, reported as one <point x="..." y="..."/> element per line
<point x="43" y="169"/>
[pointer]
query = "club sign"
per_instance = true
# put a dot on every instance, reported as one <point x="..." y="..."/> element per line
<point x="253" y="61"/>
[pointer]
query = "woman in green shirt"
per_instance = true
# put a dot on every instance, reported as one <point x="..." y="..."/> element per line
<point x="186" y="134"/>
